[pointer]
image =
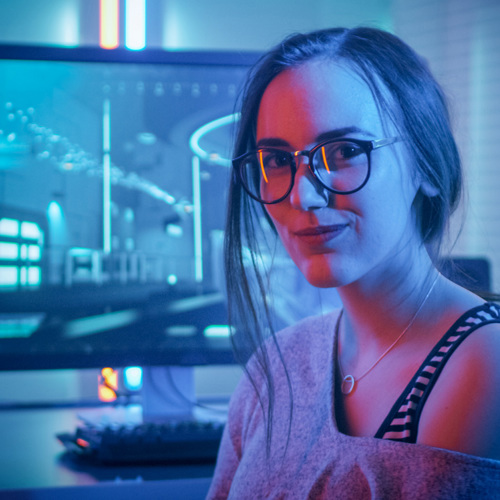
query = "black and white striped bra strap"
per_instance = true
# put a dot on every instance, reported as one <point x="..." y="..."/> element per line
<point x="401" y="424"/>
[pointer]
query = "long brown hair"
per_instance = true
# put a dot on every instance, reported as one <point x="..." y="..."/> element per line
<point x="408" y="94"/>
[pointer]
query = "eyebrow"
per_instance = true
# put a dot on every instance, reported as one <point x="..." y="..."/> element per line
<point x="325" y="136"/>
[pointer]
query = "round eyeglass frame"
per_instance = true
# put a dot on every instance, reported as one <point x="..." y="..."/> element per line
<point x="366" y="146"/>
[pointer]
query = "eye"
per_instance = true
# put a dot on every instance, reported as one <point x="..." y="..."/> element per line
<point x="337" y="155"/>
<point x="348" y="150"/>
<point x="276" y="159"/>
<point x="282" y="159"/>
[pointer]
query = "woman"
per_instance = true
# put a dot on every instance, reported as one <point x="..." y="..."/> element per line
<point x="345" y="148"/>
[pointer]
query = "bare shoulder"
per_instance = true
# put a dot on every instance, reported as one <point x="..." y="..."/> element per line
<point x="462" y="412"/>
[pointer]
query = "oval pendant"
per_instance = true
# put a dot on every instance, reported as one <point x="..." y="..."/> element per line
<point x="347" y="385"/>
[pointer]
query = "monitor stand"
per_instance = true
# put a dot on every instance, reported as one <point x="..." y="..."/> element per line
<point x="168" y="392"/>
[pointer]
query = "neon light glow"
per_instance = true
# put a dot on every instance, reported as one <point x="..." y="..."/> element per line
<point x="23" y="276"/>
<point x="181" y="331"/>
<point x="9" y="227"/>
<point x="8" y="276"/>
<point x="184" y="305"/>
<point x="324" y="159"/>
<point x="194" y="140"/>
<point x="30" y="230"/>
<point x="31" y="276"/>
<point x="135" y="24"/>
<point x="69" y="25"/>
<point x="108" y="384"/>
<point x="80" y="251"/>
<point x="34" y="253"/>
<point x="56" y="224"/>
<point x="174" y="230"/>
<point x="198" y="248"/>
<point x="9" y="251"/>
<point x="19" y="325"/>
<point x="91" y="325"/>
<point x="82" y="443"/>
<point x="106" y="176"/>
<point x="34" y="276"/>
<point x="217" y="331"/>
<point x="261" y="162"/>
<point x="54" y="211"/>
<point x="109" y="20"/>
<point x="132" y="378"/>
<point x="129" y="215"/>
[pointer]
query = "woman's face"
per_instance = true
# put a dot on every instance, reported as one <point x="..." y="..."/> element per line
<point x="335" y="239"/>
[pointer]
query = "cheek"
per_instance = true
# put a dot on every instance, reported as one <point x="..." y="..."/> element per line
<point x="273" y="211"/>
<point x="385" y="222"/>
<point x="277" y="220"/>
<point x="280" y="217"/>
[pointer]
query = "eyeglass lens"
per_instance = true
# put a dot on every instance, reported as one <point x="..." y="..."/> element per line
<point x="341" y="166"/>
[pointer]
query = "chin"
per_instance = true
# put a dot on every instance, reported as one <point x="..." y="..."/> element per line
<point x="320" y="273"/>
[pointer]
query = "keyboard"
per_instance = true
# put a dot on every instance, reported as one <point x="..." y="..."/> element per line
<point x="170" y="442"/>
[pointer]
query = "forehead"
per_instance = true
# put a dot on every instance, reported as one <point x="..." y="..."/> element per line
<point x="317" y="97"/>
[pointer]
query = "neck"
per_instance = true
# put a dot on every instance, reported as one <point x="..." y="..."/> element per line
<point x="375" y="316"/>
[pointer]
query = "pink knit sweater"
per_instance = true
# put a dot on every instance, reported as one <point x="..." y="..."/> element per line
<point x="321" y="462"/>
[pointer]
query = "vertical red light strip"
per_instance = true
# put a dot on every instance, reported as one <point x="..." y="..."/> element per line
<point x="109" y="22"/>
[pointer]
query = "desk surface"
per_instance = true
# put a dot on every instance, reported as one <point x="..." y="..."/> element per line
<point x="174" y="489"/>
<point x="32" y="457"/>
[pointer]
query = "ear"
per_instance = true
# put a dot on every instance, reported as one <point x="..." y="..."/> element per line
<point x="428" y="189"/>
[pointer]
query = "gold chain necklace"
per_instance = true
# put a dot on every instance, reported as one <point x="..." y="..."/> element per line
<point x="349" y="381"/>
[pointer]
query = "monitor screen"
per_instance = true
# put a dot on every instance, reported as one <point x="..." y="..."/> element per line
<point x="113" y="178"/>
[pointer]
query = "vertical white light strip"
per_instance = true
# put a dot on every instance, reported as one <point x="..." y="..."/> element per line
<point x="198" y="246"/>
<point x="106" y="175"/>
<point x="135" y="24"/>
<point x="68" y="23"/>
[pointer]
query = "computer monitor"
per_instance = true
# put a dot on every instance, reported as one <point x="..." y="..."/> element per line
<point x="113" y="176"/>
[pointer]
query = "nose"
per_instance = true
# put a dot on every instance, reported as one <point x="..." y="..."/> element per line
<point x="307" y="192"/>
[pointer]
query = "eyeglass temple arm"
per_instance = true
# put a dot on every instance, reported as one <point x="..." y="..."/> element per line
<point x="379" y="143"/>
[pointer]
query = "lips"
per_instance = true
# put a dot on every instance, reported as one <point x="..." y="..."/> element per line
<point x="320" y="234"/>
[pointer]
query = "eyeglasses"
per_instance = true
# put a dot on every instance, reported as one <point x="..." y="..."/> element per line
<point x="341" y="166"/>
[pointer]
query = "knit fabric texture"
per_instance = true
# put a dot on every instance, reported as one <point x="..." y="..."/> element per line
<point x="318" y="461"/>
